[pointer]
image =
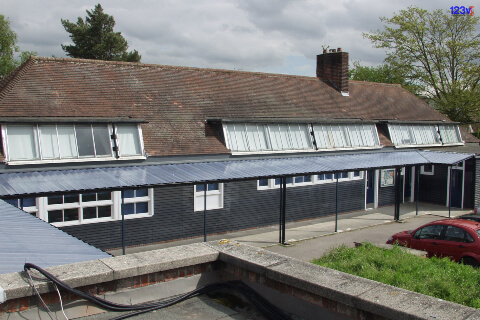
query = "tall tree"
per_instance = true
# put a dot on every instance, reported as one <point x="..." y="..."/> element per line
<point x="438" y="52"/>
<point x="384" y="73"/>
<point x="94" y="38"/>
<point x="9" y="49"/>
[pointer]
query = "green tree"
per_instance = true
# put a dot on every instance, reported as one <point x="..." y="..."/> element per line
<point x="94" y="38"/>
<point x="439" y="54"/>
<point x="383" y="73"/>
<point x="9" y="49"/>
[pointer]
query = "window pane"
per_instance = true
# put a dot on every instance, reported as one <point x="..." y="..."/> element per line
<point x="129" y="208"/>
<point x="104" y="211"/>
<point x="55" y="216"/>
<point x="236" y="136"/>
<point x="141" y="207"/>
<point x="71" y="198"/>
<point x="89" y="213"/>
<point x="199" y="187"/>
<point x="263" y="183"/>
<point x="102" y="140"/>
<point x="322" y="136"/>
<point x="256" y="138"/>
<point x="70" y="214"/>
<point x="66" y="141"/>
<point x="300" y="136"/>
<point x="128" y="140"/>
<point x="22" y="142"/>
<point x="129" y="193"/>
<point x="48" y="142"/>
<point x="86" y="197"/>
<point x="104" y="196"/>
<point x="55" y="200"/>
<point x="29" y="202"/>
<point x="141" y="193"/>
<point x="212" y="186"/>
<point x="13" y="202"/>
<point x="338" y="137"/>
<point x="84" y="140"/>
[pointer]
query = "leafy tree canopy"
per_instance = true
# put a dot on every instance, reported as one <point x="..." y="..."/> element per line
<point x="384" y="73"/>
<point x="9" y="49"/>
<point x="438" y="54"/>
<point x="94" y="38"/>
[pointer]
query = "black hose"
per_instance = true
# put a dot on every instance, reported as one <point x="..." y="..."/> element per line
<point x="262" y="304"/>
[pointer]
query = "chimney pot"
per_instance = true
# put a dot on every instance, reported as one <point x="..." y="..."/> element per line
<point x="339" y="50"/>
<point x="324" y="51"/>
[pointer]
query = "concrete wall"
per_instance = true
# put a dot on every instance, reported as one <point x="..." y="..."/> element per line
<point x="297" y="287"/>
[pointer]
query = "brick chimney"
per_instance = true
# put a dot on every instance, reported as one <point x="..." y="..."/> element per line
<point x="332" y="68"/>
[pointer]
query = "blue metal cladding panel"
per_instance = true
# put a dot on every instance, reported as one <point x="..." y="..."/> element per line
<point x="13" y="184"/>
<point x="25" y="238"/>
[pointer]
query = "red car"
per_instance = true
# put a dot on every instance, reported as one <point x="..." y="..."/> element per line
<point x="455" y="238"/>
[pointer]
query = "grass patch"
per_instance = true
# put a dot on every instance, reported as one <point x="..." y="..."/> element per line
<point x="440" y="278"/>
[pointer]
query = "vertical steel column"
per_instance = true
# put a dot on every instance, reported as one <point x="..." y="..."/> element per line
<point x="417" y="188"/>
<point x="280" y="229"/>
<point x="205" y="213"/>
<point x="397" y="194"/>
<point x="450" y="192"/>
<point x="122" y="208"/>
<point x="284" y="207"/>
<point x="336" y="205"/>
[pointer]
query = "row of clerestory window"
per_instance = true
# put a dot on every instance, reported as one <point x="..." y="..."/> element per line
<point x="261" y="137"/>
<point x="257" y="137"/>
<point x="68" y="141"/>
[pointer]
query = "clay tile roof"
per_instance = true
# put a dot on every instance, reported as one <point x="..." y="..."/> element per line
<point x="176" y="101"/>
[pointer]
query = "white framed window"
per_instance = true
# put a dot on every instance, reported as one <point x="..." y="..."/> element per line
<point x="406" y="135"/>
<point x="450" y="134"/>
<point x="89" y="207"/>
<point x="346" y="136"/>
<point x="427" y="169"/>
<point x="214" y="194"/>
<point x="251" y="137"/>
<point x="26" y="204"/>
<point x="70" y="142"/>
<point x="264" y="184"/>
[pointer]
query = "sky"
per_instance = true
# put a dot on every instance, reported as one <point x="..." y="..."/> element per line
<point x="275" y="36"/>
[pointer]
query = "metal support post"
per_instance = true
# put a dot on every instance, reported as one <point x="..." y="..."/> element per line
<point x="450" y="192"/>
<point x="336" y="206"/>
<point x="397" y="194"/>
<point x="123" y="221"/>
<point x="284" y="207"/>
<point x="205" y="212"/>
<point x="417" y="188"/>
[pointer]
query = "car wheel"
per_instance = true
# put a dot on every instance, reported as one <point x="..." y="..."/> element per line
<point x="469" y="261"/>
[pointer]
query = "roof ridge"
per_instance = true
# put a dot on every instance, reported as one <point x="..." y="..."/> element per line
<point x="173" y="67"/>
<point x="9" y="82"/>
<point x="376" y="83"/>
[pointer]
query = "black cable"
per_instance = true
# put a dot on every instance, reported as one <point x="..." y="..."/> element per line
<point x="262" y="304"/>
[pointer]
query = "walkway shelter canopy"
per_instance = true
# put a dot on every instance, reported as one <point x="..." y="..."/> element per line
<point x="117" y="178"/>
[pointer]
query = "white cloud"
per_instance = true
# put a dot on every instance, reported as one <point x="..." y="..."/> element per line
<point x="281" y="36"/>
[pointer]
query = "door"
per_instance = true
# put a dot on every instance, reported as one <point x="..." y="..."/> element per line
<point x="429" y="239"/>
<point x="407" y="190"/>
<point x="370" y="192"/>
<point x="456" y="188"/>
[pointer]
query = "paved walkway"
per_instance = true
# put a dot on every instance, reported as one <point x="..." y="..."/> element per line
<point x="311" y="229"/>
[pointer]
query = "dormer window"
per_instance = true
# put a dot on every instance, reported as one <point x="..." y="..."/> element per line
<point x="411" y="135"/>
<point x="299" y="137"/>
<point x="71" y="142"/>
